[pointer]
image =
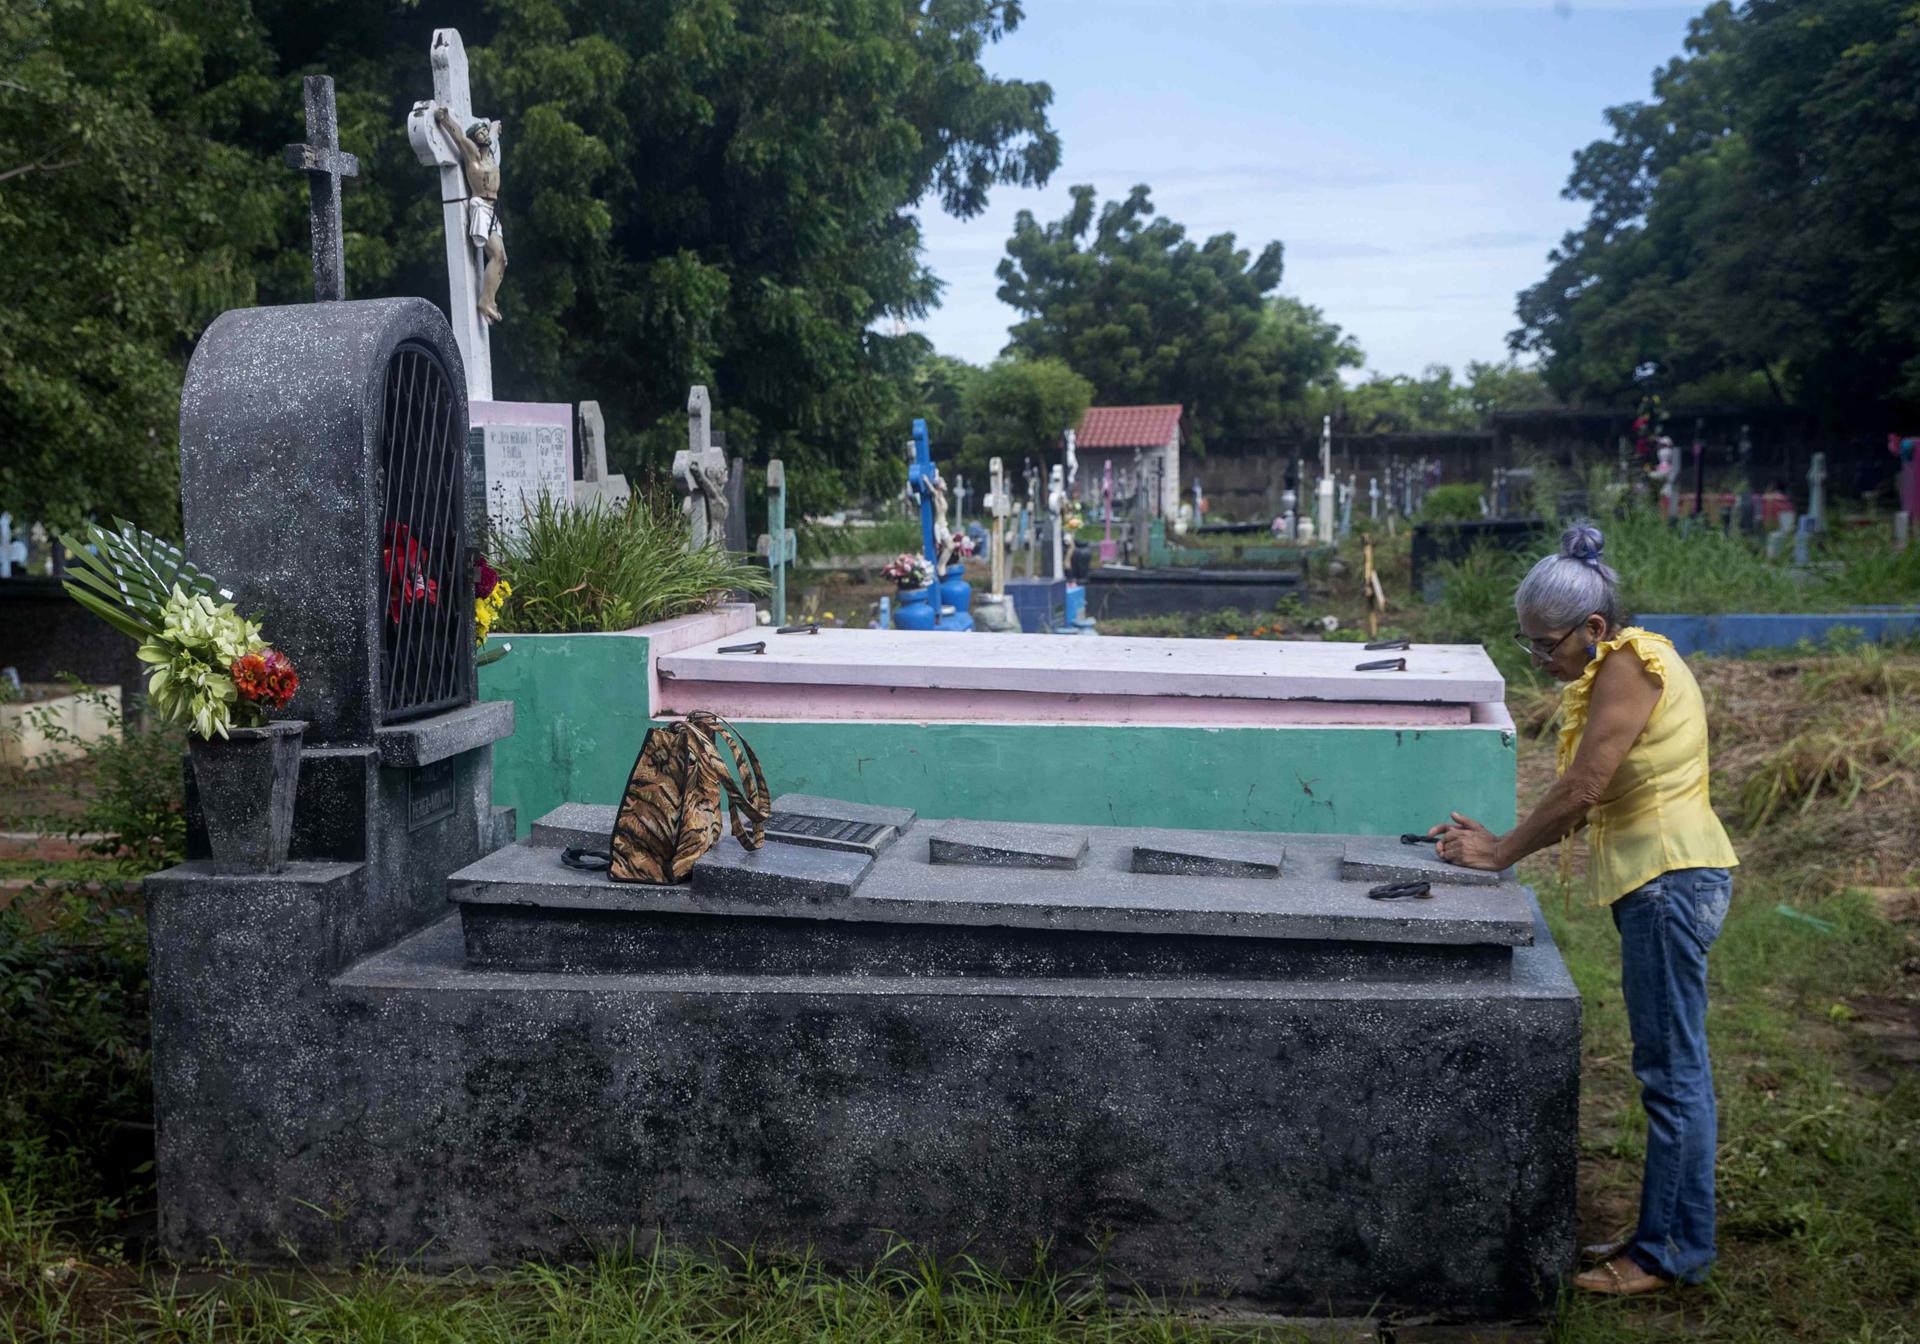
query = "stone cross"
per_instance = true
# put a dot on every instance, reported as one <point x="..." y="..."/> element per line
<point x="779" y="545"/>
<point x="1000" y="508"/>
<point x="1324" y="491"/>
<point x="596" y="485"/>
<point x="1373" y="497"/>
<point x="1108" y="550"/>
<point x="324" y="163"/>
<point x="700" y="474"/>
<point x="960" y="495"/>
<point x="1817" y="493"/>
<point x="466" y="269"/>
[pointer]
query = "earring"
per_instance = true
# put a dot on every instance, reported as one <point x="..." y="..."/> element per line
<point x="1592" y="653"/>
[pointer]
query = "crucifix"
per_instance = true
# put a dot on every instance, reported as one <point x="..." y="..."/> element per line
<point x="700" y="473"/>
<point x="324" y="163"/>
<point x="463" y="211"/>
<point x="1000" y="508"/>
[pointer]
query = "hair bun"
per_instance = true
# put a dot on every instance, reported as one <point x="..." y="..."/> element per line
<point x="1583" y="542"/>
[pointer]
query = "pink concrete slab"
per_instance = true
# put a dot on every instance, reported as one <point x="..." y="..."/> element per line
<point x="1455" y="674"/>
<point x="787" y="702"/>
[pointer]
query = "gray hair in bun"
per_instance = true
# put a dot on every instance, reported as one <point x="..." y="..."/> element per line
<point x="1565" y="588"/>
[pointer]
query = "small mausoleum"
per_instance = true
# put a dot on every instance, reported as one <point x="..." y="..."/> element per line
<point x="1142" y="443"/>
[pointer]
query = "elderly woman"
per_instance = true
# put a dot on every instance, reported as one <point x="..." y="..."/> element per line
<point x="1633" y="769"/>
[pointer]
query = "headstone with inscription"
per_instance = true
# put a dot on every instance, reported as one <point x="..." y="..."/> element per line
<point x="518" y="452"/>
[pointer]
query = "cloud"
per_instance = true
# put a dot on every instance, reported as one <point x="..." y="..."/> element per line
<point x="1325" y="249"/>
<point x="1488" y="242"/>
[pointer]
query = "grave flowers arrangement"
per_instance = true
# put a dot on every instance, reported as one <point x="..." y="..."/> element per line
<point x="213" y="672"/>
<point x="211" y="669"/>
<point x="490" y="594"/>
<point x="909" y="569"/>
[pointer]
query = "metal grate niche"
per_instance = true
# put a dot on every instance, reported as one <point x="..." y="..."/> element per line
<point x="428" y="644"/>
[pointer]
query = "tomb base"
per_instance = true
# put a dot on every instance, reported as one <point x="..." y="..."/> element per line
<point x="1248" y="1081"/>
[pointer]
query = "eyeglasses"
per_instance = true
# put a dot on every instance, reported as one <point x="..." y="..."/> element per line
<point x="1542" y="650"/>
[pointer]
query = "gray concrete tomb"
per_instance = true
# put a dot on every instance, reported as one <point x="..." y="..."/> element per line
<point x="1208" y="1060"/>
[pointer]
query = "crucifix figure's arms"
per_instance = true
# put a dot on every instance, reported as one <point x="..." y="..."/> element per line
<point x="468" y="151"/>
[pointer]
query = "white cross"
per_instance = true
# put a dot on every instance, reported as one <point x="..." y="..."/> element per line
<point x="466" y="267"/>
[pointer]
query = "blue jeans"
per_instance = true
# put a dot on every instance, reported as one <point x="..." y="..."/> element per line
<point x="1666" y="928"/>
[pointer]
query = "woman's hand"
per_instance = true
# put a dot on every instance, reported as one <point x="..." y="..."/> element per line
<point x="1468" y="844"/>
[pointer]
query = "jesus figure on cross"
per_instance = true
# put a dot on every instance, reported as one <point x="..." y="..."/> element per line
<point x="475" y="147"/>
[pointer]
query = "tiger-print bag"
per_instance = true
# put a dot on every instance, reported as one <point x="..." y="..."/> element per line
<point x="670" y="813"/>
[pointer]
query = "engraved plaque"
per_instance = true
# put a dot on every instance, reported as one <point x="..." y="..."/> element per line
<point x="430" y="794"/>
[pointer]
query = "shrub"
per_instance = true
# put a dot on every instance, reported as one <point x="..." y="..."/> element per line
<point x="1451" y="503"/>
<point x="600" y="568"/>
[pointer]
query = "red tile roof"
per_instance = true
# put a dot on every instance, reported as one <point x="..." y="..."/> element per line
<point x="1127" y="426"/>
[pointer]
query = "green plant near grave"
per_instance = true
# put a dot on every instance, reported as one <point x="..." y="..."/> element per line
<point x="822" y="542"/>
<point x="75" y="1074"/>
<point x="605" y="568"/>
<point x="1451" y="503"/>
<point x="134" y="817"/>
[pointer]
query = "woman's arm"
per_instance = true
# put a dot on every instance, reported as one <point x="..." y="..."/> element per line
<point x="1622" y="701"/>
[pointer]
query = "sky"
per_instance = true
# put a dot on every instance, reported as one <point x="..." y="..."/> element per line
<point x="1409" y="155"/>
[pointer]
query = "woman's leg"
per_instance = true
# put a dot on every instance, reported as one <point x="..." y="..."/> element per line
<point x="1666" y="928"/>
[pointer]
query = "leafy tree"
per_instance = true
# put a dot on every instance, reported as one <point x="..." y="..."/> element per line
<point x="694" y="191"/>
<point x="1435" y="401"/>
<point x="1017" y="409"/>
<point x="1125" y="298"/>
<point x="1757" y="222"/>
<point x="941" y="387"/>
<point x="127" y="221"/>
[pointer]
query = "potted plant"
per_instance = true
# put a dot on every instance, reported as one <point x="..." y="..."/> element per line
<point x="213" y="674"/>
<point x="912" y="575"/>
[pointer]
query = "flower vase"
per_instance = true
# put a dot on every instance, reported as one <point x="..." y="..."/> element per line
<point x="247" y="783"/>
<point x="913" y="609"/>
<point x="955" y="591"/>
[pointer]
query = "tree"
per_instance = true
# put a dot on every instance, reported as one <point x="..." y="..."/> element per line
<point x="1146" y="315"/>
<point x="694" y="191"/>
<point x="126" y="222"/>
<point x="1017" y="409"/>
<point x="1756" y="223"/>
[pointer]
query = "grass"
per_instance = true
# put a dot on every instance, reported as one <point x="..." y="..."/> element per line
<point x="611" y="568"/>
<point x="820" y="543"/>
<point x="1815" y="1029"/>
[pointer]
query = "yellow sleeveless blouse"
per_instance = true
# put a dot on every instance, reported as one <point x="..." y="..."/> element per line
<point x="1655" y="816"/>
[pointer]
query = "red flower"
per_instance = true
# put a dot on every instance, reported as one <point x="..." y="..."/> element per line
<point x="485" y="579"/>
<point x="406" y="561"/>
<point x="267" y="678"/>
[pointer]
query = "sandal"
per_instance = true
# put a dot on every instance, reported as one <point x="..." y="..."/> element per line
<point x="1621" y="1276"/>
<point x="1604" y="1250"/>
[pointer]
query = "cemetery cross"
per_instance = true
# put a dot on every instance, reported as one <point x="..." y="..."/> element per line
<point x="920" y="479"/>
<point x="700" y="474"/>
<point x="325" y="164"/>
<point x="466" y="265"/>
<point x="999" y="506"/>
<point x="780" y="545"/>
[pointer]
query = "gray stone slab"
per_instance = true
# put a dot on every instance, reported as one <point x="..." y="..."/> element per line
<point x="777" y="875"/>
<point x="1371" y="859"/>
<point x="575" y="826"/>
<point x="994" y="844"/>
<point x="439" y="736"/>
<point x="1212" y="856"/>
<point x="900" y="818"/>
<point x="1310" y="900"/>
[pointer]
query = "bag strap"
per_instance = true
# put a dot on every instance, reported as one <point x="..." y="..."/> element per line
<point x="749" y="800"/>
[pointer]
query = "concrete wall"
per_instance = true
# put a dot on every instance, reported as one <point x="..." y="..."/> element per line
<point x="581" y="707"/>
